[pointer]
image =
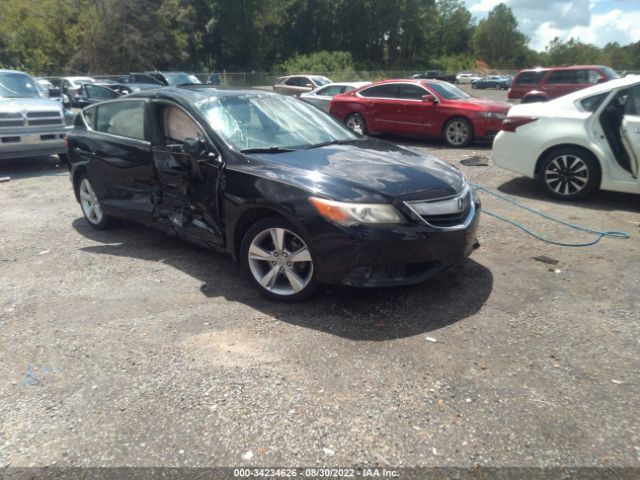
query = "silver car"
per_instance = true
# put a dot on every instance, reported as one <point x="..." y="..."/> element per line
<point x="298" y="84"/>
<point x="321" y="97"/>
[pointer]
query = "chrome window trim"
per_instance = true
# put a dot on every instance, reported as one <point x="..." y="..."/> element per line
<point x="419" y="85"/>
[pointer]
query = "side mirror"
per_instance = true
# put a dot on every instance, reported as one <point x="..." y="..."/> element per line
<point x="193" y="148"/>
<point x="428" y="98"/>
<point x="55" y="92"/>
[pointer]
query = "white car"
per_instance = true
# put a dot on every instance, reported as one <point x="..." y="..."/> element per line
<point x="467" y="77"/>
<point x="321" y="97"/>
<point x="71" y="86"/>
<point x="577" y="143"/>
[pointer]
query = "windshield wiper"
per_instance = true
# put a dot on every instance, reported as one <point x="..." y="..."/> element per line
<point x="266" y="150"/>
<point x="332" y="142"/>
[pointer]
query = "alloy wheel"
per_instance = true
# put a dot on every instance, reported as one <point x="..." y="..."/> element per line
<point x="457" y="132"/>
<point x="89" y="202"/>
<point x="280" y="261"/>
<point x="566" y="175"/>
<point x="356" y="123"/>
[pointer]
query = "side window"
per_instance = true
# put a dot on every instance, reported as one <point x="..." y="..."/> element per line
<point x="529" y="78"/>
<point x="381" y="91"/>
<point x="89" y="115"/>
<point x="99" y="93"/>
<point x="632" y="107"/>
<point x="125" y="119"/>
<point x="293" y="82"/>
<point x="348" y="88"/>
<point x="304" y="81"/>
<point x="562" y="77"/>
<point x="410" y="92"/>
<point x="591" y="104"/>
<point x="331" y="91"/>
<point x="594" y="76"/>
<point x="585" y="76"/>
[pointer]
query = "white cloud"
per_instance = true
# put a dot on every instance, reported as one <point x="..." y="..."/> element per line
<point x="543" y="20"/>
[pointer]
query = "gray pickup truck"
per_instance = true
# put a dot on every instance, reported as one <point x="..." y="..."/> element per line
<point x="31" y="124"/>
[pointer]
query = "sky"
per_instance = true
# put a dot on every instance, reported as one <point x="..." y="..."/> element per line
<point x="590" y="21"/>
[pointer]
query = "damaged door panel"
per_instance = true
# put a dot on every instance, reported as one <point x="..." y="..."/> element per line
<point x="185" y="199"/>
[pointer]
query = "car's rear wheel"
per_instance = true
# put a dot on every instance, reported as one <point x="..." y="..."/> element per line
<point x="569" y="173"/>
<point x="91" y="207"/>
<point x="458" y="132"/>
<point x="356" y="122"/>
<point x="277" y="261"/>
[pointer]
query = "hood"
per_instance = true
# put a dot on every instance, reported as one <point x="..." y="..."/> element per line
<point x="483" y="104"/>
<point x="366" y="171"/>
<point x="17" y="105"/>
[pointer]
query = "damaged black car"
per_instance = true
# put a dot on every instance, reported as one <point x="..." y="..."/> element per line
<point x="296" y="198"/>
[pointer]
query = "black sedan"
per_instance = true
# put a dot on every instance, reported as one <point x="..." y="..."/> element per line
<point x="294" y="196"/>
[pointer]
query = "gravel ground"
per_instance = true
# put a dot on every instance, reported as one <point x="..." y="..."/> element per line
<point x="130" y="348"/>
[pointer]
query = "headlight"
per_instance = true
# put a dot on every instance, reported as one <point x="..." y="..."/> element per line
<point x="355" y="213"/>
<point x="496" y="115"/>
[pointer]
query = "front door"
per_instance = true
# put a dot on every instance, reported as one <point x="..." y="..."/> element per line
<point x="187" y="197"/>
<point x="630" y="129"/>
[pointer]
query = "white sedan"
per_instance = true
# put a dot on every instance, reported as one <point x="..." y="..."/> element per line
<point x="321" y="97"/>
<point x="467" y="78"/>
<point x="577" y="143"/>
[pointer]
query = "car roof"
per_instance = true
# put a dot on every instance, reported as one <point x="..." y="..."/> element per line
<point x="198" y="92"/>
<point x="602" y="87"/>
<point x="569" y="67"/>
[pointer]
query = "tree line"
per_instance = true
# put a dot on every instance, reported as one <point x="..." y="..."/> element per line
<point x="49" y="37"/>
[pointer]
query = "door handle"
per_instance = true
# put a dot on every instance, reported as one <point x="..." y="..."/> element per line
<point x="82" y="151"/>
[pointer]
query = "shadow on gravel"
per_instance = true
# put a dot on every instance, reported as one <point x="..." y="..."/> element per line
<point x="527" y="188"/>
<point x="18" y="168"/>
<point x="357" y="314"/>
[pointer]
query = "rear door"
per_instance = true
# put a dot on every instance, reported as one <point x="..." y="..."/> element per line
<point x="560" y="82"/>
<point x="119" y="159"/>
<point x="381" y="108"/>
<point x="630" y="129"/>
<point x="98" y="93"/>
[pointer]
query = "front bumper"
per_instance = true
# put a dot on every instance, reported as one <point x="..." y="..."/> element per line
<point x="365" y="256"/>
<point x="33" y="142"/>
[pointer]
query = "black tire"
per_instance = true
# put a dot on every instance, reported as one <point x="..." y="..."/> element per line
<point x="354" y="119"/>
<point x="533" y="99"/>
<point x="569" y="173"/>
<point x="276" y="266"/>
<point x="454" y="130"/>
<point x="100" y="221"/>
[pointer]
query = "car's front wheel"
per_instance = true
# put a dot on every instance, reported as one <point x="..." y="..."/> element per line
<point x="458" y="132"/>
<point x="277" y="261"/>
<point x="356" y="122"/>
<point x="91" y="207"/>
<point x="569" y="173"/>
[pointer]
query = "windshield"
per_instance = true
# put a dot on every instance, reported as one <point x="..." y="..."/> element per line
<point x="252" y="121"/>
<point x="321" y="81"/>
<point x="610" y="73"/>
<point x="448" y="91"/>
<point x="18" y="85"/>
<point x="180" y="79"/>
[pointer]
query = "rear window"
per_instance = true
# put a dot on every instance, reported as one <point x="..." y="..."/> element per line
<point x="529" y="78"/>
<point x="591" y="104"/>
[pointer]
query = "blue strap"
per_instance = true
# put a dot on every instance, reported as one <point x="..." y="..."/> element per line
<point x="599" y="234"/>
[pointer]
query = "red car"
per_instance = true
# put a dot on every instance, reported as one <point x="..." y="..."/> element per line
<point x="429" y="108"/>
<point x="542" y="84"/>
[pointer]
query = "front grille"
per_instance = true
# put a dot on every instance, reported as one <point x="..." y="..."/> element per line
<point x="39" y="119"/>
<point x="446" y="212"/>
<point x="450" y="220"/>
<point x="8" y="120"/>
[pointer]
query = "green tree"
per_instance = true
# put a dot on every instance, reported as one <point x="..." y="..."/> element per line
<point x="497" y="40"/>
